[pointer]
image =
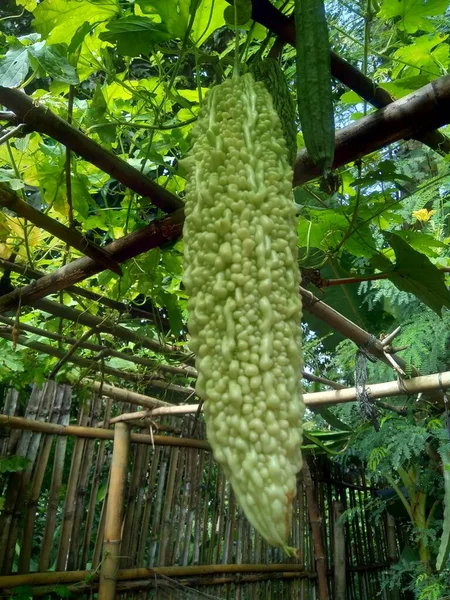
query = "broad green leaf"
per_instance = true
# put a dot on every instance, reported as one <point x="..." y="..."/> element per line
<point x="426" y="57"/>
<point x="239" y="13"/>
<point x="351" y="98"/>
<point x="208" y="18"/>
<point x="14" y="67"/>
<point x="81" y="199"/>
<point x="54" y="63"/>
<point x="422" y="242"/>
<point x="174" y="14"/>
<point x="135" y="35"/>
<point x="59" y="20"/>
<point x="405" y="85"/>
<point x="415" y="273"/>
<point x="29" y="5"/>
<point x="414" y="14"/>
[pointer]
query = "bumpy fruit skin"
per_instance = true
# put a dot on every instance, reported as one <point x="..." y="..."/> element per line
<point x="242" y="278"/>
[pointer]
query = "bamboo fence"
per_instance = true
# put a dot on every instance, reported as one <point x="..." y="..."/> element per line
<point x="115" y="513"/>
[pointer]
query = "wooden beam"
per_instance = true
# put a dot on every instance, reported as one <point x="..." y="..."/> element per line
<point x="154" y="235"/>
<point x="425" y="108"/>
<point x="72" y="237"/>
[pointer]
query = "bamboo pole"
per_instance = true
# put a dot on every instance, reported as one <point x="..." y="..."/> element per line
<point x="183" y="583"/>
<point x="166" y="522"/>
<point x="316" y="528"/>
<point x="114" y="513"/>
<point x="66" y="577"/>
<point x="70" y="497"/>
<point x="9" y="408"/>
<point x="12" y="496"/>
<point x="38" y="478"/>
<point x="98" y="433"/>
<point x="339" y="552"/>
<point x="424" y="383"/>
<point x="123" y="395"/>
<point x="94" y="489"/>
<point x="391" y="550"/>
<point x="56" y="482"/>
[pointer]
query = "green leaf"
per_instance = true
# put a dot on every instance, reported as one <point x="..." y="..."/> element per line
<point x="444" y="548"/>
<point x="174" y="14"/>
<point x="62" y="591"/>
<point x="59" y="20"/>
<point x="421" y="242"/>
<point x="331" y="419"/>
<point x="54" y="63"/>
<point x="239" y="13"/>
<point x="13" y="464"/>
<point x="135" y="35"/>
<point x="209" y="17"/>
<point x="14" y="67"/>
<point x="414" y="14"/>
<point x="173" y="312"/>
<point x="29" y="5"/>
<point x="415" y="273"/>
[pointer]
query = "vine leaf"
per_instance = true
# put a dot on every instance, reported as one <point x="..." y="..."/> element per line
<point x="135" y="35"/>
<point x="416" y="274"/>
<point x="243" y="14"/>
<point x="414" y="14"/>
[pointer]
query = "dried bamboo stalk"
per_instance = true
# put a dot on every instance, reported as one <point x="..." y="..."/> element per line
<point x="316" y="522"/>
<point x="190" y="487"/>
<point x="98" y="433"/>
<point x="148" y="506"/>
<point x="157" y="508"/>
<point x="179" y="506"/>
<point x="154" y="581"/>
<point x="114" y="512"/>
<point x="197" y="503"/>
<point x="73" y="560"/>
<point x="98" y="547"/>
<point x="166" y="517"/>
<point x="222" y="516"/>
<point x="55" y="486"/>
<point x="128" y="531"/>
<point x="38" y="406"/>
<point x="38" y="478"/>
<point x="94" y="489"/>
<point x="137" y="516"/>
<point x="9" y="408"/>
<point x="340" y="583"/>
<point x="69" y="504"/>
<point x="206" y="519"/>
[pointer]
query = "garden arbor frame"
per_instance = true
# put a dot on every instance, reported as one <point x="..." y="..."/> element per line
<point x="414" y="116"/>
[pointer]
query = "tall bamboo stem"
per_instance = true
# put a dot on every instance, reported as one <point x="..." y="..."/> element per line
<point x="316" y="522"/>
<point x="114" y="513"/>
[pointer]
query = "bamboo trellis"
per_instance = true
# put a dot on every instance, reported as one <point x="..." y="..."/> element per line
<point x="181" y="528"/>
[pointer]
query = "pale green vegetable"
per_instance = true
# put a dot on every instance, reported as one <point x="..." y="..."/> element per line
<point x="242" y="278"/>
